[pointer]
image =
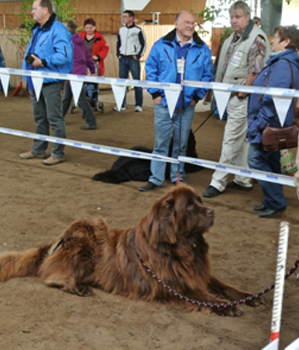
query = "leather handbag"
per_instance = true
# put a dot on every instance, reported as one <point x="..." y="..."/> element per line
<point x="275" y="139"/>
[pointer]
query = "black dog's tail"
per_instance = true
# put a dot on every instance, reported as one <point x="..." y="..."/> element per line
<point x="24" y="264"/>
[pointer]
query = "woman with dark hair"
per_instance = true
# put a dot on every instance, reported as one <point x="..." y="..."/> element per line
<point x="282" y="68"/>
<point x="98" y="49"/>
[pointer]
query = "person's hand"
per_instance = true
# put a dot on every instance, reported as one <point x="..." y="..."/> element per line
<point x="158" y="100"/>
<point x="37" y="62"/>
<point x="135" y="58"/>
<point x="94" y="57"/>
<point x="241" y="95"/>
<point x="192" y="103"/>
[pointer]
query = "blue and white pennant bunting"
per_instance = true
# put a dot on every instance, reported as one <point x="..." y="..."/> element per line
<point x="282" y="97"/>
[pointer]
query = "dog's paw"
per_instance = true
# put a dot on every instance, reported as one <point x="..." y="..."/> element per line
<point x="232" y="311"/>
<point x="255" y="302"/>
<point x="83" y="290"/>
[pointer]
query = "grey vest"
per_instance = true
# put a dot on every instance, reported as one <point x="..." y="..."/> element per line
<point x="237" y="68"/>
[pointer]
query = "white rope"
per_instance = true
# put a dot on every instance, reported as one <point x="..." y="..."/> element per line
<point x="232" y="169"/>
<point x="257" y="174"/>
<point x="91" y="79"/>
<point x="151" y="84"/>
<point x="90" y="146"/>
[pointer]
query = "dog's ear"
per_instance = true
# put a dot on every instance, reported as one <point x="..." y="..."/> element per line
<point x="161" y="224"/>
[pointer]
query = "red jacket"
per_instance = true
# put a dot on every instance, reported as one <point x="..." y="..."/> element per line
<point x="99" y="49"/>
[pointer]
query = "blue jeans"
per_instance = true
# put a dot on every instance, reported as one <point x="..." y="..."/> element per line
<point x="129" y="64"/>
<point x="270" y="162"/>
<point x="48" y="112"/>
<point x="163" y="127"/>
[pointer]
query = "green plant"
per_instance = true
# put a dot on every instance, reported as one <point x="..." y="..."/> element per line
<point x="27" y="22"/>
<point x="211" y="13"/>
<point x="62" y="8"/>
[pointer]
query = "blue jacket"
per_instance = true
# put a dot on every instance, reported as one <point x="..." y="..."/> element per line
<point x="262" y="111"/>
<point x="161" y="66"/>
<point x="54" y="47"/>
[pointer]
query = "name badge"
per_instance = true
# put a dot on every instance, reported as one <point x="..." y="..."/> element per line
<point x="180" y="65"/>
<point x="236" y="58"/>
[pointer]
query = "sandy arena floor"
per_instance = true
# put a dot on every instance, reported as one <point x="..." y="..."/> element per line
<point x="39" y="202"/>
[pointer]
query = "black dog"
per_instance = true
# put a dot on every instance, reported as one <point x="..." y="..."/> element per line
<point x="134" y="169"/>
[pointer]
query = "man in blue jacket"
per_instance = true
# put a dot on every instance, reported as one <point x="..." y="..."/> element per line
<point x="179" y="52"/>
<point x="50" y="50"/>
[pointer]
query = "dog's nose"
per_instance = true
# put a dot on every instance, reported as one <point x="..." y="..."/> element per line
<point x="210" y="212"/>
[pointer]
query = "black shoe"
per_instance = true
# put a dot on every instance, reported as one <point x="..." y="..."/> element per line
<point x="268" y="213"/>
<point x="211" y="192"/>
<point x="260" y="207"/>
<point x="88" y="127"/>
<point x="148" y="187"/>
<point x="238" y="187"/>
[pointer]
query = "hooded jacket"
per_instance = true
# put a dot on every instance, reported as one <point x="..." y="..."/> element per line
<point x="99" y="49"/>
<point x="161" y="66"/>
<point x="261" y="111"/>
<point x="53" y="46"/>
<point x="82" y="58"/>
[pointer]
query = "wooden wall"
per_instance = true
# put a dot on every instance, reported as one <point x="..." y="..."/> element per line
<point x="106" y="13"/>
<point x="8" y="11"/>
<point x="152" y="34"/>
<point x="113" y="6"/>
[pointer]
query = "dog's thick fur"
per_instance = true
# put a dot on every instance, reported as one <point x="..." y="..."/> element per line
<point x="169" y="240"/>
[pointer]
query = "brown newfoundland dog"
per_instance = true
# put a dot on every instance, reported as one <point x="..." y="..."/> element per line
<point x="169" y="240"/>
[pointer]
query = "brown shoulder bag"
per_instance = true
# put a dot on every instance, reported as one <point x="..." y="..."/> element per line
<point x="275" y="139"/>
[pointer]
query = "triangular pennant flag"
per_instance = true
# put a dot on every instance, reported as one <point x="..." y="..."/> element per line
<point x="37" y="84"/>
<point x="119" y="92"/>
<point x="76" y="87"/>
<point x="5" y="82"/>
<point x="221" y="98"/>
<point x="282" y="105"/>
<point x="172" y="99"/>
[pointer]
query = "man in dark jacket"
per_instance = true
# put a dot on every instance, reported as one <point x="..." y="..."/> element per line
<point x="180" y="52"/>
<point x="49" y="50"/>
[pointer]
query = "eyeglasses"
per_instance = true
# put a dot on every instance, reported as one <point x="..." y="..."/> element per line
<point x="187" y="23"/>
<point x="36" y="8"/>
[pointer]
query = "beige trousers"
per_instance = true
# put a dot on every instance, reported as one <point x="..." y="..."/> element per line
<point x="234" y="145"/>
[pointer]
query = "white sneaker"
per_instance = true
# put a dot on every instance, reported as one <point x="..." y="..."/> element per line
<point x="138" y="109"/>
<point x="116" y="109"/>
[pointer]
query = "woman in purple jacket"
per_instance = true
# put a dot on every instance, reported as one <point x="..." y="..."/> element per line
<point x="82" y="62"/>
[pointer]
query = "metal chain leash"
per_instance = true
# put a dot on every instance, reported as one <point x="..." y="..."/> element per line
<point x="212" y="305"/>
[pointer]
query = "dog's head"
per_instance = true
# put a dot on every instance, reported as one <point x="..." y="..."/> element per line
<point x="179" y="212"/>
